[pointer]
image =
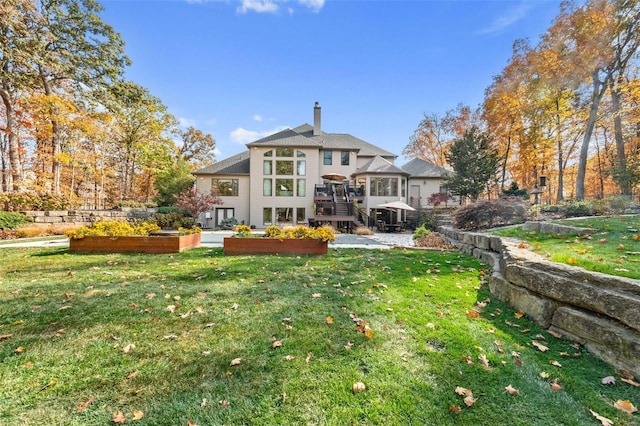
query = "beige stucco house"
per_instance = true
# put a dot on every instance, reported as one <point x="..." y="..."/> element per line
<point x="305" y="175"/>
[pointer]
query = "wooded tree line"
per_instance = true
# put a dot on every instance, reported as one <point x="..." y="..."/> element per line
<point x="567" y="108"/>
<point x="71" y="125"/>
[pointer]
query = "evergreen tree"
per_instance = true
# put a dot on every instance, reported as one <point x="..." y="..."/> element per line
<point x="474" y="163"/>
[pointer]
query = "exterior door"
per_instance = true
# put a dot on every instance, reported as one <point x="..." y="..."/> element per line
<point x="222" y="214"/>
<point x="414" y="196"/>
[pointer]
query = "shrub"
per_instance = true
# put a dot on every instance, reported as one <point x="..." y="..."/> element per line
<point x="576" y="209"/>
<point x="433" y="240"/>
<point x="228" y="223"/>
<point x="242" y="230"/>
<point x="12" y="220"/>
<point x="361" y="230"/>
<point x="420" y="232"/>
<point x="487" y="214"/>
<point x="21" y="201"/>
<point x="173" y="220"/>
<point x="322" y="233"/>
<point x="114" y="228"/>
<point x="620" y="203"/>
<point x="438" y="198"/>
<point x="171" y="209"/>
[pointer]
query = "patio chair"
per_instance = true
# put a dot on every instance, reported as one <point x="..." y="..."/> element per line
<point x="382" y="227"/>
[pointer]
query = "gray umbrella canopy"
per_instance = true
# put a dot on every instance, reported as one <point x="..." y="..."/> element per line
<point x="396" y="205"/>
<point x="334" y="176"/>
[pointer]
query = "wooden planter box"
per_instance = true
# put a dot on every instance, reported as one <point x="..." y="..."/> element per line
<point x="236" y="246"/>
<point x="151" y="244"/>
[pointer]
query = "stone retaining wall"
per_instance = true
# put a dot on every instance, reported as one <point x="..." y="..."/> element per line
<point x="71" y="218"/>
<point x="600" y="311"/>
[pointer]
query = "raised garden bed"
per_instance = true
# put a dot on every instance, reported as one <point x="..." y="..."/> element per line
<point x="135" y="244"/>
<point x="240" y="246"/>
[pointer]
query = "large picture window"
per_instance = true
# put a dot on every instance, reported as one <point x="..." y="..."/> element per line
<point x="284" y="214"/>
<point x="267" y="187"/>
<point x="224" y="187"/>
<point x="267" y="167"/>
<point x="284" y="167"/>
<point x="284" y="187"/>
<point x="267" y="216"/>
<point x="384" y="187"/>
<point x="284" y="152"/>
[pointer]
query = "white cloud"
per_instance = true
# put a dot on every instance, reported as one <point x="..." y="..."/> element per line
<point x="509" y="18"/>
<point x="187" y="122"/>
<point x="272" y="6"/>
<point x="216" y="152"/>
<point x="257" y="117"/>
<point x="314" y="5"/>
<point x="258" y="6"/>
<point x="243" y="136"/>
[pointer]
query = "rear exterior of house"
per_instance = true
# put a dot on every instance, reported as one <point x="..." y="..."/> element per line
<point x="279" y="180"/>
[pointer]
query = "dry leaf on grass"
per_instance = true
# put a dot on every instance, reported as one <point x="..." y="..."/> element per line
<point x="119" y="417"/>
<point x="276" y="344"/>
<point x="511" y="390"/>
<point x="84" y="404"/>
<point x="605" y="421"/>
<point x="235" y="361"/>
<point x="129" y="348"/>
<point x="485" y="362"/>
<point x="609" y="380"/>
<point x="137" y="415"/>
<point x="358" y="387"/>
<point x="625" y="406"/>
<point x="539" y="346"/>
<point x="631" y="382"/>
<point x="555" y="386"/>
<point x="329" y="319"/>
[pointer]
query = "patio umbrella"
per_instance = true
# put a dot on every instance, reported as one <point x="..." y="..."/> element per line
<point x="397" y="206"/>
<point x="334" y="176"/>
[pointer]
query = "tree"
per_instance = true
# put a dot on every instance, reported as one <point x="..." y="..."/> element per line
<point x="197" y="148"/>
<point x="474" y="163"/>
<point x="196" y="202"/>
<point x="172" y="182"/>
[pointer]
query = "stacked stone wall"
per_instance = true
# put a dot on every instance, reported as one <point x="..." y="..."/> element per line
<point x="74" y="218"/>
<point x="600" y="311"/>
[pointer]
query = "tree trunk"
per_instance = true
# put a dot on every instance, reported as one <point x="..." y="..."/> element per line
<point x="560" y="193"/>
<point x="14" y="146"/>
<point x="56" y="147"/>
<point x="622" y="173"/>
<point x="596" y="95"/>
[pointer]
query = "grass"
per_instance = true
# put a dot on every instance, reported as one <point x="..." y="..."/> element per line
<point x="68" y="321"/>
<point x="613" y="248"/>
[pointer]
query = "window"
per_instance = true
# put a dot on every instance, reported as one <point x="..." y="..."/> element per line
<point x="284" y="187"/>
<point x="284" y="214"/>
<point x="224" y="187"/>
<point x="301" y="214"/>
<point x="266" y="167"/>
<point x="328" y="158"/>
<point x="344" y="158"/>
<point x="284" y="152"/>
<point x="300" y="154"/>
<point x="223" y="213"/>
<point x="284" y="167"/>
<point x="302" y="187"/>
<point x="267" y="216"/>
<point x="384" y="187"/>
<point x="267" y="189"/>
<point x="302" y="168"/>
<point x="268" y="154"/>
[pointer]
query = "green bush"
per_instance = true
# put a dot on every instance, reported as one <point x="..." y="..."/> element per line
<point x="620" y="203"/>
<point x="12" y="220"/>
<point x="576" y="209"/>
<point x="228" y="223"/>
<point x="173" y="220"/>
<point x="172" y="209"/>
<point x="420" y="232"/>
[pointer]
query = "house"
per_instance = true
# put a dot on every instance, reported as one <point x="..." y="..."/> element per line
<point x="307" y="175"/>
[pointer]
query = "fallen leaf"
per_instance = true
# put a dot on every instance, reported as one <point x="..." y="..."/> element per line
<point x="191" y="423"/>
<point x="511" y="390"/>
<point x="358" y="387"/>
<point x="224" y="403"/>
<point x="485" y="362"/>
<point x="554" y="334"/>
<point x="137" y="415"/>
<point x="454" y="408"/>
<point x="605" y="421"/>
<point x="631" y="382"/>
<point x="348" y="346"/>
<point x="288" y="357"/>
<point x="129" y="348"/>
<point x="171" y="308"/>
<point x="316" y="295"/>
<point x="555" y="386"/>
<point x="309" y="357"/>
<point x="609" y="380"/>
<point x="119" y="417"/>
<point x="518" y="315"/>
<point x="5" y="336"/>
<point x="329" y="319"/>
<point x="625" y="406"/>
<point x="473" y="314"/>
<point x="64" y="308"/>
<point x="84" y="404"/>
<point x="463" y="391"/>
<point x="470" y="400"/>
<point x="132" y="375"/>
<point x="203" y="403"/>
<point x="555" y="363"/>
<point x="235" y="361"/>
<point x="540" y="346"/>
<point x="276" y="344"/>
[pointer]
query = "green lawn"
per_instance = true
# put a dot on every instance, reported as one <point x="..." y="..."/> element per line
<point x="86" y="337"/>
<point x="613" y="248"/>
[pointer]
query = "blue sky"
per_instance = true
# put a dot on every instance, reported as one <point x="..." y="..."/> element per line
<point x="241" y="70"/>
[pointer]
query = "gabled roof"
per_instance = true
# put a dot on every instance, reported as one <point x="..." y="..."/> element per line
<point x="379" y="165"/>
<point x="424" y="169"/>
<point x="302" y="136"/>
<point x="235" y="165"/>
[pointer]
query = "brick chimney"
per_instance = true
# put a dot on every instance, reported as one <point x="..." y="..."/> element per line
<point x="316" y="120"/>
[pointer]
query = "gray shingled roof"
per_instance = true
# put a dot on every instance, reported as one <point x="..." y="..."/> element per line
<point x="235" y="165"/>
<point x="379" y="165"/>
<point x="302" y="136"/>
<point x="421" y="168"/>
